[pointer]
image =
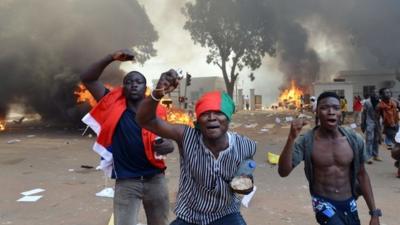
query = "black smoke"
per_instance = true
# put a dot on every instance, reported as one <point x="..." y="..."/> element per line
<point x="361" y="34"/>
<point x="46" y="44"/>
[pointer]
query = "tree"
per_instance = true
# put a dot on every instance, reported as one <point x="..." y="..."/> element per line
<point x="237" y="33"/>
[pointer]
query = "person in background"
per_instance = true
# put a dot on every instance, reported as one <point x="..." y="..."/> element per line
<point x="343" y="109"/>
<point x="128" y="151"/>
<point x="387" y="110"/>
<point x="247" y="102"/>
<point x="333" y="163"/>
<point x="370" y="126"/>
<point x="357" y="108"/>
<point x="314" y="108"/>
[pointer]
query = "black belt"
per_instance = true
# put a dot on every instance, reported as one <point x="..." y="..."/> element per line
<point x="146" y="177"/>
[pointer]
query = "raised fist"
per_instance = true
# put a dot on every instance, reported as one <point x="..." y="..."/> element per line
<point x="123" y="55"/>
<point x="168" y="81"/>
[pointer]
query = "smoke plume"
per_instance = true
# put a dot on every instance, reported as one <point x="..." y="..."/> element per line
<point x="46" y="45"/>
<point x="319" y="38"/>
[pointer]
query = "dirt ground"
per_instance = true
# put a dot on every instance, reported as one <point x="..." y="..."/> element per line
<point x="51" y="158"/>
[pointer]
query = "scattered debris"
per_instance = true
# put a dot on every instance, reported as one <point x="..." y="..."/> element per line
<point x="353" y="125"/>
<point x="272" y="158"/>
<point x="277" y="120"/>
<point x="13" y="141"/>
<point x="71" y="170"/>
<point x="269" y="126"/>
<point x="252" y="125"/>
<point x="31" y="136"/>
<point x="29" y="195"/>
<point x="19" y="121"/>
<point x="87" y="167"/>
<point x="84" y="131"/>
<point x="289" y="119"/>
<point x="233" y="125"/>
<point x="106" y="192"/>
<point x="30" y="198"/>
<point x="264" y="130"/>
<point x="33" y="191"/>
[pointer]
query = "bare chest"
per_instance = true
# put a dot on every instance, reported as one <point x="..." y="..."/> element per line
<point x="329" y="153"/>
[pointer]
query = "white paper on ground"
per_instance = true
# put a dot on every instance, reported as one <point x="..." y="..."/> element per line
<point x="106" y="192"/>
<point x="353" y="125"/>
<point x="289" y="119"/>
<point x="30" y="198"/>
<point x="247" y="198"/>
<point x="33" y="191"/>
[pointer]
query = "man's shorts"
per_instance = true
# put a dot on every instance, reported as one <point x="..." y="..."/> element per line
<point x="331" y="212"/>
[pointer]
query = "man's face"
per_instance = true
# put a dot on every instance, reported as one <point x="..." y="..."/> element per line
<point x="329" y="112"/>
<point x="386" y="94"/>
<point x="213" y="124"/>
<point x="134" y="86"/>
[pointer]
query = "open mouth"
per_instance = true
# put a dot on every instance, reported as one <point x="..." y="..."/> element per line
<point x="331" y="120"/>
<point x="212" y="127"/>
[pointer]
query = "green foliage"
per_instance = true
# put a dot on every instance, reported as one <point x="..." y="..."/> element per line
<point x="236" y="32"/>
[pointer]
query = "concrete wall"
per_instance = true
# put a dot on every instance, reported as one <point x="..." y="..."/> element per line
<point x="377" y="79"/>
<point x="345" y="87"/>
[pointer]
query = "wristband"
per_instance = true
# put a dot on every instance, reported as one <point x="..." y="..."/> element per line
<point x="154" y="98"/>
<point x="375" y="212"/>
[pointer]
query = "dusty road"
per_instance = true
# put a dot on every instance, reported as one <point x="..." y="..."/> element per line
<point x="51" y="159"/>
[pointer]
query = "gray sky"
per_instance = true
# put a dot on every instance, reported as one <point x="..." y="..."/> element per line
<point x="175" y="49"/>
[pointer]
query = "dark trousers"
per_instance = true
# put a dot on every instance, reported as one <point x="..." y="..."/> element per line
<point x="231" y="219"/>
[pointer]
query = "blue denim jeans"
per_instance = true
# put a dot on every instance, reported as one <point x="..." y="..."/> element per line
<point x="231" y="219"/>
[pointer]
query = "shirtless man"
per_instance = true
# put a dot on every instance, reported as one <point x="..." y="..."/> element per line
<point x="334" y="165"/>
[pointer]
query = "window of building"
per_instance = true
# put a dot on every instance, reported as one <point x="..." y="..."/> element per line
<point x="368" y="89"/>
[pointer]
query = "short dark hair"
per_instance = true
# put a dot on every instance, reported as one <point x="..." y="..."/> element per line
<point x="137" y="73"/>
<point x="327" y="94"/>
<point x="382" y="90"/>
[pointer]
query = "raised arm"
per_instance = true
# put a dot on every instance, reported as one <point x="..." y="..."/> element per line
<point x="90" y="77"/>
<point x="146" y="114"/>
<point x="285" y="165"/>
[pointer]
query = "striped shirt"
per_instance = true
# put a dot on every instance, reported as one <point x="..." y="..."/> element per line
<point x="204" y="193"/>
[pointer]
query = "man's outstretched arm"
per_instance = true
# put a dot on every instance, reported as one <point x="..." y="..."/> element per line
<point x="90" y="77"/>
<point x="146" y="114"/>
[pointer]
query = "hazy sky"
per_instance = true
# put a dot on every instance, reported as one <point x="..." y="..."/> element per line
<point x="175" y="49"/>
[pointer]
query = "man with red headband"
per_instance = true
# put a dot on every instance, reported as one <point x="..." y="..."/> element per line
<point x="209" y="155"/>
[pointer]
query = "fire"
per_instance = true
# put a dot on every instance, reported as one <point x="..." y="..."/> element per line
<point x="179" y="116"/>
<point x="83" y="95"/>
<point x="2" y="125"/>
<point x="292" y="95"/>
<point x="174" y="115"/>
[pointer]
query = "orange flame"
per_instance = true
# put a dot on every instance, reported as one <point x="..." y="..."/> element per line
<point x="83" y="95"/>
<point x="179" y="116"/>
<point x="2" y="125"/>
<point x="292" y="95"/>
